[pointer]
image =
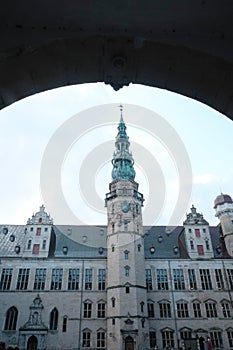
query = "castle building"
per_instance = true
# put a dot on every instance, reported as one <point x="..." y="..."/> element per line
<point x="122" y="286"/>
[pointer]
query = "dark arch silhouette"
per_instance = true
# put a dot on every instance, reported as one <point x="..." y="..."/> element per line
<point x="185" y="47"/>
<point x="129" y="343"/>
<point x="32" y="343"/>
<point x="11" y="319"/>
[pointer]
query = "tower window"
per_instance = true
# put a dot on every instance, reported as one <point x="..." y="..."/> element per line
<point x="40" y="220"/>
<point x="113" y="228"/>
<point x="126" y="255"/>
<point x="139" y="247"/>
<point x="127" y="271"/>
<point x="142" y="306"/>
<point x="113" y="302"/>
<point x="125" y="226"/>
<point x="64" y="324"/>
<point x="127" y="290"/>
<point x="113" y="321"/>
<point x="113" y="248"/>
<point x="38" y="231"/>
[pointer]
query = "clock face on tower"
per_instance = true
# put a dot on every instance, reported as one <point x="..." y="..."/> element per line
<point x="125" y="207"/>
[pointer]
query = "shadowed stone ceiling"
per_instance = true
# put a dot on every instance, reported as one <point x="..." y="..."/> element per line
<point x="182" y="46"/>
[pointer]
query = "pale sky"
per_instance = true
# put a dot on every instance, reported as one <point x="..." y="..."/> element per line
<point x="27" y="127"/>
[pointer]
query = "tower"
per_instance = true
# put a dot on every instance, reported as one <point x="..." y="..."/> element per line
<point x="223" y="206"/>
<point x="127" y="322"/>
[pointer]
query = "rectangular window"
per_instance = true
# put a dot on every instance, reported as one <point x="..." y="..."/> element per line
<point x="23" y="278"/>
<point x="39" y="282"/>
<point x="207" y="245"/>
<point x="44" y="244"/>
<point x="192" y="279"/>
<point x="182" y="310"/>
<point x="168" y="339"/>
<point x="29" y="244"/>
<point x="152" y="335"/>
<point x="162" y="279"/>
<point x="38" y="231"/>
<point x="151" y="312"/>
<point x="230" y="338"/>
<point x="197" y="232"/>
<point x="230" y="277"/>
<point x="197" y="310"/>
<point x="56" y="281"/>
<point x="73" y="279"/>
<point x="36" y="249"/>
<point x="6" y="278"/>
<point x="219" y="279"/>
<point x="86" y="343"/>
<point x="88" y="279"/>
<point x="165" y="310"/>
<point x="101" y="340"/>
<point x="211" y="310"/>
<point x="216" y="339"/>
<point x="206" y="283"/>
<point x="200" y="249"/>
<point x="178" y="279"/>
<point x="87" y="310"/>
<point x="64" y="324"/>
<point x="148" y="279"/>
<point x="127" y="290"/>
<point x="101" y="279"/>
<point x="191" y="245"/>
<point x="101" y="310"/>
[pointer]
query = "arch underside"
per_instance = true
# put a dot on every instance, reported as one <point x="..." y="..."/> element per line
<point x="190" y="54"/>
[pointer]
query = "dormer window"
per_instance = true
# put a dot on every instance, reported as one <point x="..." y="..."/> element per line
<point x="207" y="245"/>
<point x="197" y="232"/>
<point x="29" y="244"/>
<point x="38" y="231"/>
<point x="191" y="244"/>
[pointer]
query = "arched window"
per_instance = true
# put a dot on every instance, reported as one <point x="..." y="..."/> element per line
<point x="53" y="319"/>
<point x="11" y="319"/>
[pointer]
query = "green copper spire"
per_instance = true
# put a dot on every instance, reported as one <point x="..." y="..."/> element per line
<point x="122" y="159"/>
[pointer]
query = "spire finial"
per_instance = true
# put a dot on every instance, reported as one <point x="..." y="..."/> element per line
<point x="121" y="110"/>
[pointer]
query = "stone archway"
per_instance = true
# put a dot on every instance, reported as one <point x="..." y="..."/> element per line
<point x="32" y="343"/>
<point x="116" y="43"/>
<point x="129" y="343"/>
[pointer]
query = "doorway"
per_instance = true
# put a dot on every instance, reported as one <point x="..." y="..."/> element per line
<point x="32" y="343"/>
<point x="129" y="343"/>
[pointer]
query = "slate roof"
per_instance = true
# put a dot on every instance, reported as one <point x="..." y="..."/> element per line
<point x="90" y="242"/>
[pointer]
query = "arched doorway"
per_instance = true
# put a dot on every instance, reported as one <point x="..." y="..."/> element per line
<point x="129" y="343"/>
<point x="32" y="343"/>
